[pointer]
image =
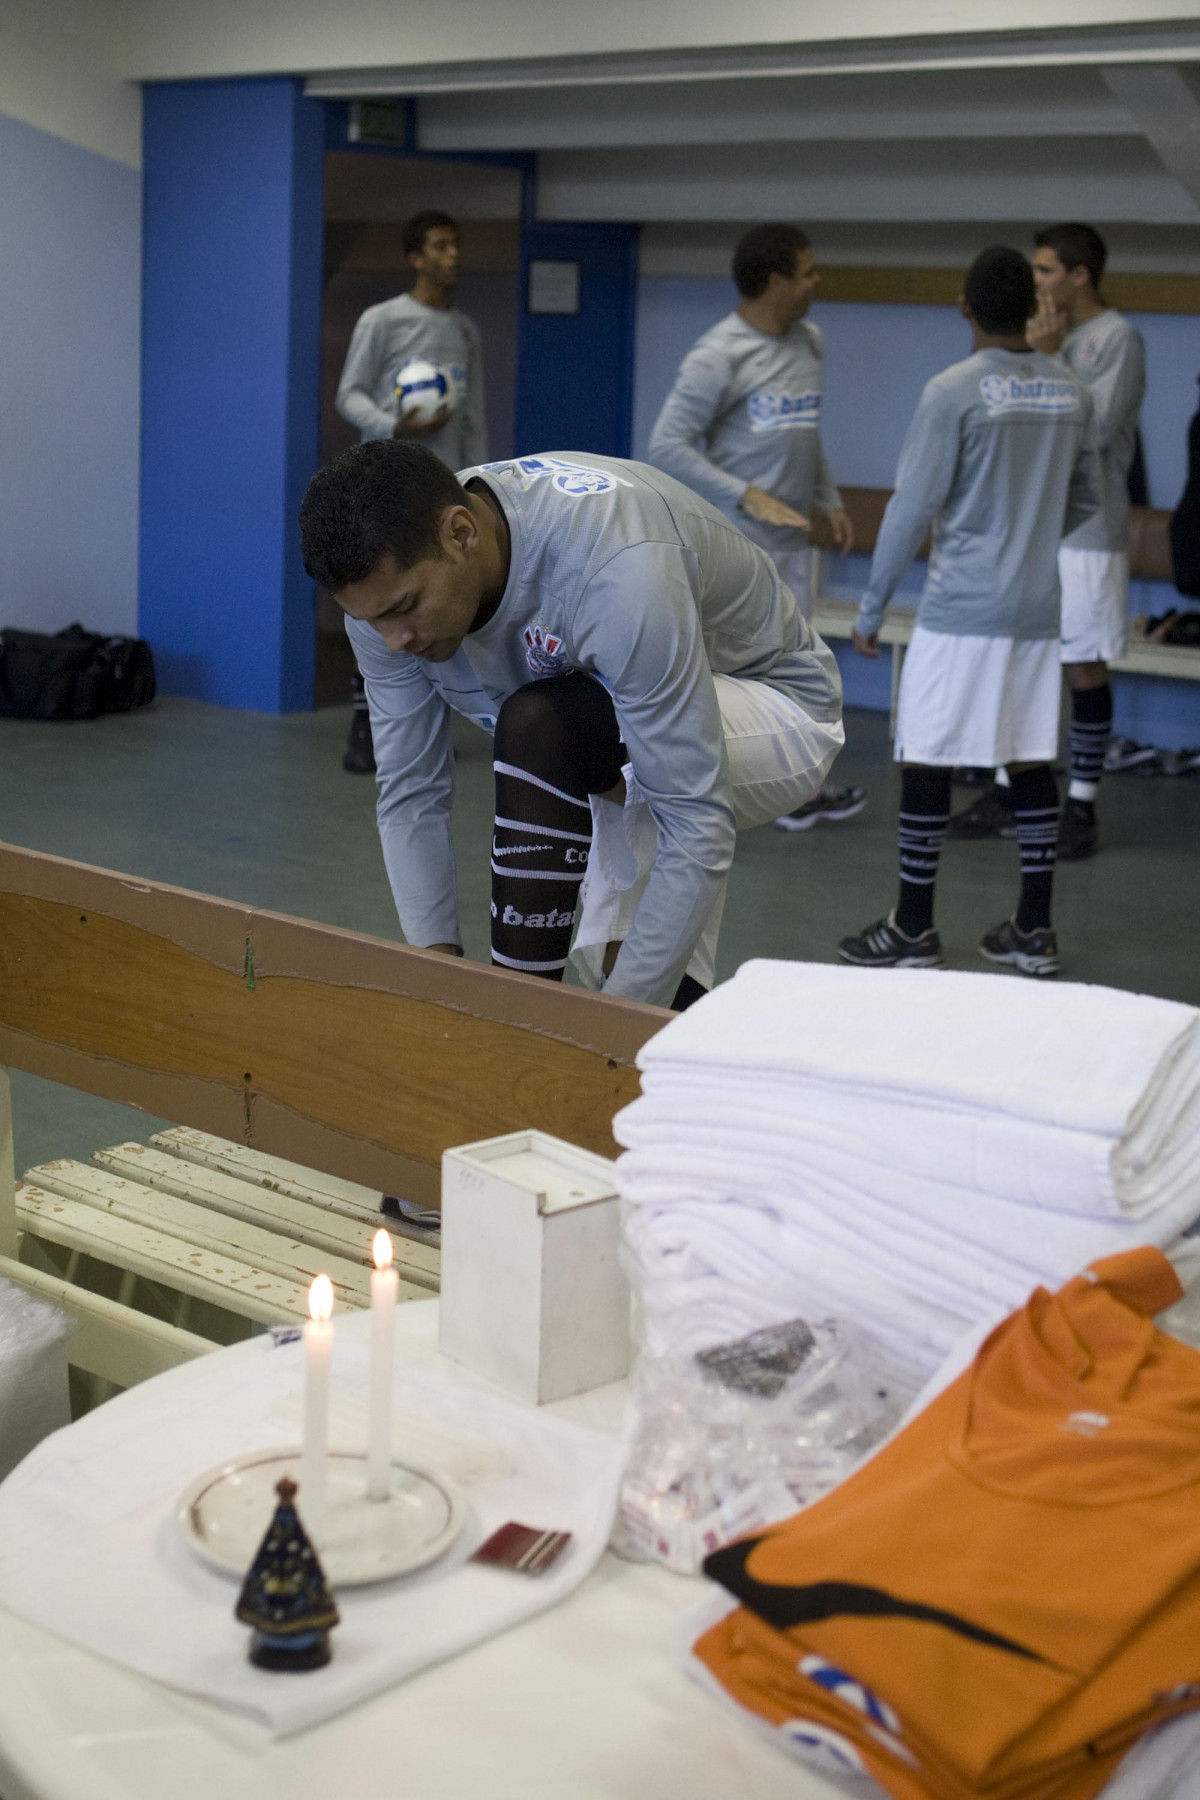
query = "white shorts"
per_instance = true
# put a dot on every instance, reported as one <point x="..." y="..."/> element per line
<point x="795" y="572"/>
<point x="778" y="758"/>
<point x="978" y="701"/>
<point x="1095" y="604"/>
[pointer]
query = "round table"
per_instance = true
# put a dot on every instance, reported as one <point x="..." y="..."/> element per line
<point x="584" y="1700"/>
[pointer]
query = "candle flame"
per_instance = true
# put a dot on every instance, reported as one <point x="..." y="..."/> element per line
<point x="381" y="1250"/>
<point x="320" y="1298"/>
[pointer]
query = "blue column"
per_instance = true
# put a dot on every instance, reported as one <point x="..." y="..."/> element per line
<point x="230" y="386"/>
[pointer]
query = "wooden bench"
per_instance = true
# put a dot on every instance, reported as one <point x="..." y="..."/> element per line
<point x="1149" y="559"/>
<point x="313" y="1071"/>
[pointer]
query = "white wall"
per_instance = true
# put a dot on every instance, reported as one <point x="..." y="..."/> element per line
<point x="70" y="308"/>
<point x="57" y="72"/>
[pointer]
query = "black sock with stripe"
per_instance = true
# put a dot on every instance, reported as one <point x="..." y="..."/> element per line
<point x="557" y="741"/>
<point x="924" y="815"/>
<point x="1035" y="811"/>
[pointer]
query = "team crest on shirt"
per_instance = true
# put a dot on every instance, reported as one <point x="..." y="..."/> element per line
<point x="826" y="1750"/>
<point x="847" y="1689"/>
<point x="1088" y="353"/>
<point x="545" y="651"/>
<point x="785" y="412"/>
<point x="878" y="1717"/>
<point x="571" y="478"/>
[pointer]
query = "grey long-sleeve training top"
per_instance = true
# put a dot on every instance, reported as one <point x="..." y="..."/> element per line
<point x="385" y="337"/>
<point x="1108" y="356"/>
<point x="999" y="462"/>
<point x="618" y="571"/>
<point x="745" y="411"/>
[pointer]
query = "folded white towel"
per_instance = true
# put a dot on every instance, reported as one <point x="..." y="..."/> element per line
<point x="974" y="1242"/>
<point x="990" y="1067"/>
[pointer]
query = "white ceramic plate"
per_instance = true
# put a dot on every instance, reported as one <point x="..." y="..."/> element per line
<point x="224" y="1516"/>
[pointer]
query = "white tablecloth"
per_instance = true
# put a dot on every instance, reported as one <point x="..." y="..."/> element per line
<point x="584" y="1700"/>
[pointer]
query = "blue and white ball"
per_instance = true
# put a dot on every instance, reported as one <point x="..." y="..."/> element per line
<point x="423" y="389"/>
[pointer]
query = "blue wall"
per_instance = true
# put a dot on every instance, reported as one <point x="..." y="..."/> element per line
<point x="231" y="364"/>
<point x="878" y="359"/>
<point x="575" y="371"/>
<point x="70" y="227"/>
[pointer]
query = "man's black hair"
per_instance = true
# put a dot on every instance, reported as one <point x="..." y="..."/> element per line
<point x="419" y="227"/>
<point x="1076" y="246"/>
<point x="388" y="495"/>
<point x="763" y="251"/>
<point x="999" y="290"/>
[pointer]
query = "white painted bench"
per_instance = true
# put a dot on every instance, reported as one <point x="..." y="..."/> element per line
<point x="114" y="1343"/>
<point x="834" y="618"/>
<point x="188" y="1218"/>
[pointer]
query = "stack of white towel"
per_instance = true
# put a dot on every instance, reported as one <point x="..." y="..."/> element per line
<point x="913" y="1151"/>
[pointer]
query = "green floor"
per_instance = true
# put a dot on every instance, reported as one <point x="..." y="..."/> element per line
<point x="257" y="809"/>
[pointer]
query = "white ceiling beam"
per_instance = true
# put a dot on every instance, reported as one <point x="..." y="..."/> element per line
<point x="1167" y="41"/>
<point x="1165" y="105"/>
<point x="1102" y="180"/>
<point x="965" y="104"/>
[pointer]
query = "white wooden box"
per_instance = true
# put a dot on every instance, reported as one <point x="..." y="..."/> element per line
<point x="533" y="1294"/>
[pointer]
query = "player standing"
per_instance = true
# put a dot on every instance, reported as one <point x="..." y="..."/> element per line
<point x="425" y="323"/>
<point x="1104" y="351"/>
<point x="742" y="427"/>
<point x="998" y="462"/>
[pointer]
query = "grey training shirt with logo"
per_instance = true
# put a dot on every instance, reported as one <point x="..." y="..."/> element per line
<point x="998" y="463"/>
<point x="621" y="572"/>
<point x="1108" y="356"/>
<point x="385" y="338"/>
<point x="745" y="411"/>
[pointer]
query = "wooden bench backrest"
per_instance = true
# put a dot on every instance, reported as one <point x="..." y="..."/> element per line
<point x="1149" y="540"/>
<point x="359" y="1057"/>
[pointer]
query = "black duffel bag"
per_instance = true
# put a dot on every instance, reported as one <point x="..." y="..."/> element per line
<point x="74" y="674"/>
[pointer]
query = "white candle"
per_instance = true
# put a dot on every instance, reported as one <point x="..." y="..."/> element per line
<point x="384" y="1283"/>
<point x="318" y="1355"/>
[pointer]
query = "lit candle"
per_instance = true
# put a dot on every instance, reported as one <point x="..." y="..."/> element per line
<point x="384" y="1282"/>
<point x="318" y="1354"/>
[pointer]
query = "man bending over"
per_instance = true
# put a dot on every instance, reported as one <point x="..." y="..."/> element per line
<point x="621" y="639"/>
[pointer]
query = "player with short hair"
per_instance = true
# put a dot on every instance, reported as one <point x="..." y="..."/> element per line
<point x="423" y="323"/>
<point x="624" y="643"/>
<point x="742" y="426"/>
<point x="999" y="464"/>
<point x="1104" y="351"/>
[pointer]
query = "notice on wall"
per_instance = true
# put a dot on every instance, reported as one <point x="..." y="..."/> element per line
<point x="553" y="287"/>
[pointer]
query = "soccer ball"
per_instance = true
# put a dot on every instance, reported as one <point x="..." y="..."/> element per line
<point x="423" y="389"/>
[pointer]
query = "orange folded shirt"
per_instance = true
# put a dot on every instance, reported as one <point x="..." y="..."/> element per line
<point x="1004" y="1598"/>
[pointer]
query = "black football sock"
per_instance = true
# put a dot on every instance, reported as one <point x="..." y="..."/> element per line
<point x="1035" y="808"/>
<point x="924" y="812"/>
<point x="557" y="741"/>
<point x="1091" y="728"/>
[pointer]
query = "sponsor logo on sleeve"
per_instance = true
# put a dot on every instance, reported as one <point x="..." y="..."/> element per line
<point x="545" y="651"/>
<point x="785" y="412"/>
<point x="1034" y="393"/>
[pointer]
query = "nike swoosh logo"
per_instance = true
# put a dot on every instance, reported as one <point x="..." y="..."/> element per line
<point x="785" y="1607"/>
<point x="519" y="849"/>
